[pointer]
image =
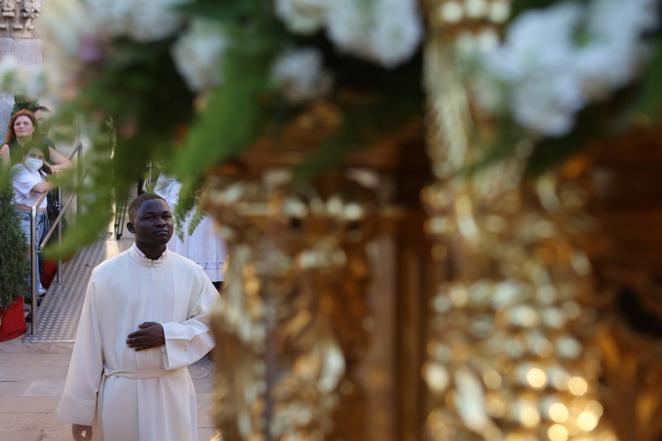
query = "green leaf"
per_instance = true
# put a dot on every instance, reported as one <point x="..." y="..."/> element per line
<point x="229" y="11"/>
<point x="399" y="100"/>
<point x="520" y="6"/>
<point x="649" y="101"/>
<point x="13" y="259"/>
<point x="590" y="123"/>
<point x="228" y="124"/>
<point x="504" y="145"/>
<point x="329" y="154"/>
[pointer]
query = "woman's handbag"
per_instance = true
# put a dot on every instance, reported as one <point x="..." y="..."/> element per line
<point x="53" y="205"/>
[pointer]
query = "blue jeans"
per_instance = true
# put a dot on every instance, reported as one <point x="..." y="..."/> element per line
<point x="42" y="226"/>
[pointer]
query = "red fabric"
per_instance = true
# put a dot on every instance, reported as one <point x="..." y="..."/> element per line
<point x="48" y="269"/>
<point x="13" y="321"/>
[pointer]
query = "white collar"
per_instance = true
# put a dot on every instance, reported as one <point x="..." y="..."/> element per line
<point x="140" y="257"/>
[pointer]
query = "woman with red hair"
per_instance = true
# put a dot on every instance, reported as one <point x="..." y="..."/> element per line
<point x="21" y="136"/>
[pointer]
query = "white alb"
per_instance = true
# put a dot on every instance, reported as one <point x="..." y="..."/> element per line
<point x="139" y="395"/>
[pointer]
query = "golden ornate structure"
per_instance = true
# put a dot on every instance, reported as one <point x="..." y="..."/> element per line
<point x="511" y="350"/>
<point x="526" y="336"/>
<point x="290" y="324"/>
<point x="617" y="177"/>
<point x="296" y="318"/>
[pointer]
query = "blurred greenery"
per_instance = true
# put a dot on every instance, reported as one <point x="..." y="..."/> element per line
<point x="649" y="99"/>
<point x="520" y="6"/>
<point x="13" y="259"/>
<point x="391" y="101"/>
<point x="141" y="111"/>
<point x="135" y="104"/>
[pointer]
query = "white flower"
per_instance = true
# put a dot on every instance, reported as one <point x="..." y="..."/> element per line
<point x="198" y="53"/>
<point x="300" y="75"/>
<point x="303" y="16"/>
<point x="348" y="23"/>
<point x="556" y="60"/>
<point x="614" y="51"/>
<point x="142" y="20"/>
<point x="398" y="31"/>
<point x="385" y="31"/>
<point x="538" y="41"/>
<point x="110" y="17"/>
<point x="548" y="106"/>
<point x="535" y="67"/>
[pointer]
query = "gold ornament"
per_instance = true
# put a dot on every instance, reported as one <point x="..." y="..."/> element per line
<point x="290" y="325"/>
<point x="511" y="353"/>
<point x="617" y="179"/>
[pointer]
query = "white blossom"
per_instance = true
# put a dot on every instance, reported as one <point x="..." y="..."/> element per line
<point x="548" y="107"/>
<point x="300" y="76"/>
<point x="539" y="41"/>
<point x="614" y="51"/>
<point x="554" y="61"/>
<point x="142" y="20"/>
<point x="303" y="16"/>
<point x="398" y="31"/>
<point x="198" y="53"/>
<point x="385" y="31"/>
<point x="348" y="23"/>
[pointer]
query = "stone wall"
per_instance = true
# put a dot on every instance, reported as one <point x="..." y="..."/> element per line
<point x="18" y="39"/>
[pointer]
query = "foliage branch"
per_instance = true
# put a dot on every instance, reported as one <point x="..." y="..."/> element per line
<point x="139" y="107"/>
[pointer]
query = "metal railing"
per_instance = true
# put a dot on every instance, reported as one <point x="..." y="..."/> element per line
<point x="55" y="227"/>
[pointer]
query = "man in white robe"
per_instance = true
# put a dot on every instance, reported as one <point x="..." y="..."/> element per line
<point x="144" y="320"/>
<point x="203" y="245"/>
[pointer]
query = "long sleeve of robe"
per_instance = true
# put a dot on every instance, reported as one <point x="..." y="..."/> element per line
<point x="145" y="395"/>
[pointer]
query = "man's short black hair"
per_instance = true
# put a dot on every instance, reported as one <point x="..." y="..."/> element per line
<point x="137" y="202"/>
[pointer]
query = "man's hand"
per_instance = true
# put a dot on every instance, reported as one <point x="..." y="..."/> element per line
<point x="149" y="335"/>
<point x="81" y="433"/>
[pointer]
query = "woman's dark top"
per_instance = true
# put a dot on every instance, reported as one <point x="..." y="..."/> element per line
<point x="17" y="151"/>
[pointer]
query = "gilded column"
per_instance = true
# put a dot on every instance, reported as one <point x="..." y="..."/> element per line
<point x="511" y="353"/>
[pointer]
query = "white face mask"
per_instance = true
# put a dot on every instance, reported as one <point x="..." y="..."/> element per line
<point x="34" y="164"/>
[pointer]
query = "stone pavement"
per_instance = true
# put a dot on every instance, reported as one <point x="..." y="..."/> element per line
<point x="31" y="380"/>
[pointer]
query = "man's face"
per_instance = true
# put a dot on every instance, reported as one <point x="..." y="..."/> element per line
<point x="153" y="223"/>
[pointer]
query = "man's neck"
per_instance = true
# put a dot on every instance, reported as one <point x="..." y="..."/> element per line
<point x="152" y="252"/>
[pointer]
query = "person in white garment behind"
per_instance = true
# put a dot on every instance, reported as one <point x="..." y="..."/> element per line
<point x="144" y="321"/>
<point x="203" y="246"/>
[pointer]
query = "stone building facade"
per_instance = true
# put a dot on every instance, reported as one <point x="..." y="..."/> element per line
<point x="18" y="39"/>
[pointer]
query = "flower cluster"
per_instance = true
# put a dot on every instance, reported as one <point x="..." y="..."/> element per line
<point x="142" y="20"/>
<point x="194" y="82"/>
<point x="384" y="31"/>
<point x="198" y="52"/>
<point x="81" y="33"/>
<point x="557" y="60"/>
<point x="300" y="76"/>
